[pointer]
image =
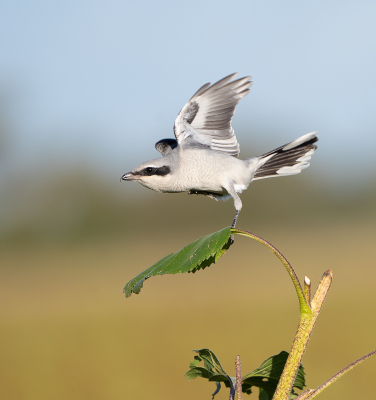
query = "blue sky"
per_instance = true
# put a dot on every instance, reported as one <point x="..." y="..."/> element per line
<point x="102" y="81"/>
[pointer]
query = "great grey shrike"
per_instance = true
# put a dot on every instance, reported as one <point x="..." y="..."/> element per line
<point x="203" y="157"/>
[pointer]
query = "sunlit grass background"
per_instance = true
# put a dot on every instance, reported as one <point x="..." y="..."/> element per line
<point x="71" y="242"/>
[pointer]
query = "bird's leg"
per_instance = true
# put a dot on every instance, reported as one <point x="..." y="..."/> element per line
<point x="237" y="203"/>
<point x="235" y="219"/>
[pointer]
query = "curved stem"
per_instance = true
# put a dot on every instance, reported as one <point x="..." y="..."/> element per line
<point x="309" y="311"/>
<point x="304" y="306"/>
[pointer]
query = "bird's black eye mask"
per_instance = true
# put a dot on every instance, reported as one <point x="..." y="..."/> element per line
<point x="149" y="171"/>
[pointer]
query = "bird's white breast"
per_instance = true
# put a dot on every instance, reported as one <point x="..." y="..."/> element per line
<point x="211" y="171"/>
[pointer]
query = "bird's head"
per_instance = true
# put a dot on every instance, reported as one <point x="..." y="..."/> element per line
<point x="153" y="174"/>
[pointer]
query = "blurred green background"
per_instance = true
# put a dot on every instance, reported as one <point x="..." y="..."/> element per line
<point x="86" y="89"/>
<point x="68" y="332"/>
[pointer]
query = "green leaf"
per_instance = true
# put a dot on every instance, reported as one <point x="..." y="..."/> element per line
<point x="266" y="377"/>
<point x="197" y="255"/>
<point x="212" y="369"/>
<point x="212" y="366"/>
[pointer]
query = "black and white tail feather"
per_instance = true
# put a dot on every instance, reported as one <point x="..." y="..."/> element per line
<point x="289" y="159"/>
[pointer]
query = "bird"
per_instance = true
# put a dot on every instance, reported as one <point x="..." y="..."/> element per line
<point x="203" y="157"/>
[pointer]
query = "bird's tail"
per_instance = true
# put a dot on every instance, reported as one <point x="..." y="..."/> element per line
<point x="289" y="159"/>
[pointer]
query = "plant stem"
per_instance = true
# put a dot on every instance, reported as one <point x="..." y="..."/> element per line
<point x="238" y="377"/>
<point x="309" y="311"/>
<point x="232" y="390"/>
<point x="304" y="307"/>
<point x="315" y="392"/>
<point x="304" y="395"/>
<point x="306" y="323"/>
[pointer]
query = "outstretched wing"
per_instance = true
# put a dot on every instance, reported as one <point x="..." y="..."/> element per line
<point x="206" y="118"/>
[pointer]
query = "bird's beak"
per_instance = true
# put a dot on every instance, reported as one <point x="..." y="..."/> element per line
<point x="129" y="177"/>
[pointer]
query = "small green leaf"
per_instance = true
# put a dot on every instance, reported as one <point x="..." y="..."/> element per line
<point x="197" y="255"/>
<point x="212" y="366"/>
<point x="212" y="369"/>
<point x="266" y="377"/>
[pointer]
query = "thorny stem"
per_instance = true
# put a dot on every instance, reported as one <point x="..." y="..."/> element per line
<point x="238" y="378"/>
